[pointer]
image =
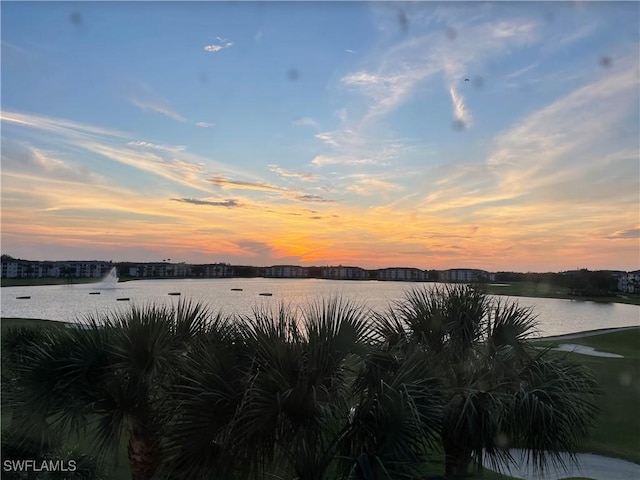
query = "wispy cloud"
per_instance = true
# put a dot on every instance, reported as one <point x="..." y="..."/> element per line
<point x="157" y="106"/>
<point x="223" y="182"/>
<point x="513" y="28"/>
<point x="397" y="72"/>
<point x="306" y="177"/>
<point x="230" y="202"/>
<point x="324" y="160"/>
<point x="349" y="148"/>
<point x="205" y="125"/>
<point x="18" y="158"/>
<point x="461" y="114"/>
<point x="554" y="171"/>
<point x="628" y="233"/>
<point x="177" y="170"/>
<point x="306" y="122"/>
<point x="220" y="45"/>
<point x="172" y="162"/>
<point x="569" y="36"/>
<point x="521" y="71"/>
<point x="155" y="146"/>
<point x="328" y="138"/>
<point x="313" y="198"/>
<point x="59" y="126"/>
<point x="366" y="185"/>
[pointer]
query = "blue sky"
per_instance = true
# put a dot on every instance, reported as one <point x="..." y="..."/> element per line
<point x="502" y="136"/>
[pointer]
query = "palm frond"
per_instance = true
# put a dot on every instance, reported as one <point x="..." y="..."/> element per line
<point x="551" y="410"/>
<point x="397" y="416"/>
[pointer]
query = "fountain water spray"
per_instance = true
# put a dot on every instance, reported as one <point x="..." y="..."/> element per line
<point x="110" y="281"/>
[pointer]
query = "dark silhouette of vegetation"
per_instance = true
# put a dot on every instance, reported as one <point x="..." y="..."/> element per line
<point x="322" y="392"/>
<point x="246" y="271"/>
<point x="498" y="390"/>
<point x="586" y="283"/>
<point x="583" y="282"/>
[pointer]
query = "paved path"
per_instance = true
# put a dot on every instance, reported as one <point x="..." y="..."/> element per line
<point x="591" y="466"/>
<point x="582" y="350"/>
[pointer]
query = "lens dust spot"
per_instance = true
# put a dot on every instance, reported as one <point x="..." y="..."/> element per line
<point x="502" y="440"/>
<point x="293" y="74"/>
<point x="76" y="18"/>
<point x="606" y="61"/>
<point x="403" y="21"/>
<point x="625" y="379"/>
<point x="451" y="33"/>
<point x="203" y="77"/>
<point x="459" y="125"/>
<point x="478" y="82"/>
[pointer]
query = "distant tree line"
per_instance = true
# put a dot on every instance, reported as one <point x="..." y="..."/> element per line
<point x="581" y="282"/>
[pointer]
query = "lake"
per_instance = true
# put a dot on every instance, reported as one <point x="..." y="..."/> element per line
<point x="240" y="295"/>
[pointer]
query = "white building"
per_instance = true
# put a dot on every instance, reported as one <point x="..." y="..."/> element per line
<point x="9" y="269"/>
<point x="286" y="271"/>
<point x="345" y="273"/>
<point x="466" y="275"/>
<point x="629" y="282"/>
<point x="402" y="274"/>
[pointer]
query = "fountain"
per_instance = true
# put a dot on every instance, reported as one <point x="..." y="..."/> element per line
<point x="109" y="282"/>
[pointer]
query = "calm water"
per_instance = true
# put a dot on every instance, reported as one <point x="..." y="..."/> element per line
<point x="71" y="302"/>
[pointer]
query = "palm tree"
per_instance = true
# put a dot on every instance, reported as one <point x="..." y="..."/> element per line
<point x="396" y="418"/>
<point x="275" y="401"/>
<point x="499" y="391"/>
<point x="109" y="378"/>
<point x="203" y="400"/>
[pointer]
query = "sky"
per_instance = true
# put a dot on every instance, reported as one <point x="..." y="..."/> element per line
<point x="503" y="136"/>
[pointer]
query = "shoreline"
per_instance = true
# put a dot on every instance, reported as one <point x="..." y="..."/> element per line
<point x="513" y="289"/>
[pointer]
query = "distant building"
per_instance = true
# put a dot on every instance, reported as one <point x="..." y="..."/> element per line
<point x="629" y="282"/>
<point x="15" y="268"/>
<point x="286" y="271"/>
<point x="217" y="270"/>
<point x="179" y="270"/>
<point x="466" y="275"/>
<point x="10" y="267"/>
<point x="345" y="273"/>
<point x="402" y="274"/>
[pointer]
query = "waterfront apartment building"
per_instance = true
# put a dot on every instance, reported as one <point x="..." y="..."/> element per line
<point x="402" y="274"/>
<point x="629" y="282"/>
<point x="286" y="271"/>
<point x="178" y="270"/>
<point x="466" y="275"/>
<point x="15" y="268"/>
<point x="345" y="273"/>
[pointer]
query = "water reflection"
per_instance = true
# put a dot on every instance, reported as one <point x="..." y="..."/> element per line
<point x="71" y="302"/>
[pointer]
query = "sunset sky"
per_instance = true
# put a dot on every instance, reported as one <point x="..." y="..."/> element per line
<point x="501" y="136"/>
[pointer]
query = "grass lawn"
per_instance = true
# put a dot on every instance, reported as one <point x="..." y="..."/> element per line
<point x="617" y="431"/>
<point x="29" y="282"/>
<point x="545" y="290"/>
<point x="121" y="470"/>
<point x="6" y="323"/>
